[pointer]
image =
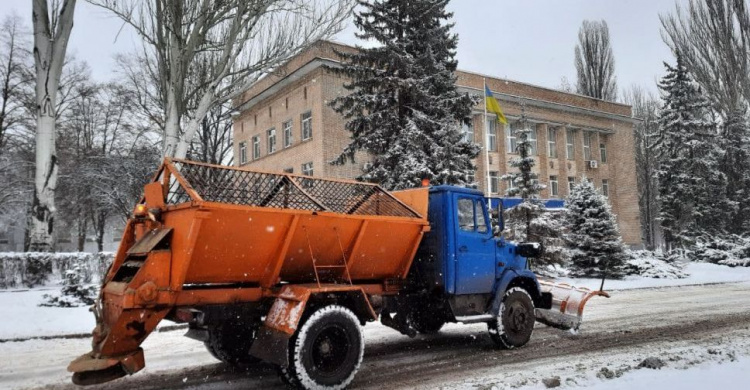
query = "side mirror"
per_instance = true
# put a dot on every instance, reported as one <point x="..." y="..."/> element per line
<point x="497" y="220"/>
<point x="530" y="249"/>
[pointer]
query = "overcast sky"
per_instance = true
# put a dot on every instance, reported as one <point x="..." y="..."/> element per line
<point x="525" y="40"/>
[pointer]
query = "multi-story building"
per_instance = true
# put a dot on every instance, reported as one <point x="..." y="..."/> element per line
<point x="285" y="123"/>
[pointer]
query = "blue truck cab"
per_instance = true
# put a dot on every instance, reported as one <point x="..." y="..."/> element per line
<point x="464" y="272"/>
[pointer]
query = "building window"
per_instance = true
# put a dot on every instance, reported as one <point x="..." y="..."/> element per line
<point x="271" y="137"/>
<point x="511" y="184"/>
<point x="471" y="180"/>
<point x="553" y="186"/>
<point x="532" y="139"/>
<point x="605" y="187"/>
<point x="287" y="134"/>
<point x="603" y="152"/>
<point x="289" y="170"/>
<point x="492" y="134"/>
<point x="256" y="147"/>
<point x="587" y="135"/>
<point x="571" y="184"/>
<point x="306" y="126"/>
<point x="307" y="169"/>
<point x="270" y="112"/>
<point x="570" y="144"/>
<point x="494" y="182"/>
<point x="243" y="153"/>
<point x="510" y="136"/>
<point x="552" y="142"/>
<point x="304" y="92"/>
<point x="467" y="129"/>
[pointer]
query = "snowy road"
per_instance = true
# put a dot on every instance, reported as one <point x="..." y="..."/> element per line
<point x="682" y="325"/>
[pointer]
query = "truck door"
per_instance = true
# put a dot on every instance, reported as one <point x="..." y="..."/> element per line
<point x="475" y="248"/>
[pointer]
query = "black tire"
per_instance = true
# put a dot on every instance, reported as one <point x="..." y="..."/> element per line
<point x="326" y="351"/>
<point x="231" y="342"/>
<point x="425" y="321"/>
<point x="515" y="320"/>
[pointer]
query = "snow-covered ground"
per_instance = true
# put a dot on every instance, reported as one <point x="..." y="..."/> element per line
<point x="28" y="319"/>
<point x="731" y="375"/>
<point x="691" y="328"/>
<point x="699" y="273"/>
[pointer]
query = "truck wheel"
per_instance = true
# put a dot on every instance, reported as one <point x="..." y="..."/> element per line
<point x="515" y="321"/>
<point x="326" y="350"/>
<point x="425" y="322"/>
<point x="231" y="342"/>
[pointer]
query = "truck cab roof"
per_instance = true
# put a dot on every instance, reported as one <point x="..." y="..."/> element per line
<point x="450" y="188"/>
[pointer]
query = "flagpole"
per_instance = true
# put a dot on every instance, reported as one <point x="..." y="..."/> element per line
<point x="486" y="148"/>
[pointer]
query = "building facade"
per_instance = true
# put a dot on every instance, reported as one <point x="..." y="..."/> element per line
<point x="284" y="123"/>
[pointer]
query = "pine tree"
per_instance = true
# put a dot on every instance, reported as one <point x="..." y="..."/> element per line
<point x="692" y="188"/>
<point x="403" y="107"/>
<point x="593" y="237"/>
<point x="525" y="183"/>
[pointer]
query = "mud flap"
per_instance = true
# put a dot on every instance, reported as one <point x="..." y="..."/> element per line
<point x="568" y="303"/>
<point x="272" y="342"/>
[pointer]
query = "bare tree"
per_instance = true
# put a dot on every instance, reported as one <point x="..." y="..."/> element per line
<point x="713" y="39"/>
<point x="595" y="63"/>
<point x="196" y="47"/>
<point x="214" y="142"/>
<point x="98" y="129"/>
<point x="52" y="27"/>
<point x="15" y="78"/>
<point x="646" y="110"/>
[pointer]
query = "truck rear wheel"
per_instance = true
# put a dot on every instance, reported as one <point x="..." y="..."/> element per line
<point x="326" y="350"/>
<point x="515" y="320"/>
<point x="230" y="342"/>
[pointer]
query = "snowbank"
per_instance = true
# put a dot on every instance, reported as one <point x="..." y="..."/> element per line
<point x="709" y="376"/>
<point x="32" y="269"/>
<point x="699" y="273"/>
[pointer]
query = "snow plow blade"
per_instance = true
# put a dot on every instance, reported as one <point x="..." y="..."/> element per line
<point x="567" y="305"/>
<point x="90" y="370"/>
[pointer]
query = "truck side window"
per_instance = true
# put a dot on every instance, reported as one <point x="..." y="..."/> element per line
<point x="466" y="214"/>
<point x="479" y="212"/>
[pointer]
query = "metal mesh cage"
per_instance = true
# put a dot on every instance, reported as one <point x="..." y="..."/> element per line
<point x="242" y="187"/>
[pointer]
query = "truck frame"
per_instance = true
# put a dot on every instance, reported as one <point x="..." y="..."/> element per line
<point x="287" y="269"/>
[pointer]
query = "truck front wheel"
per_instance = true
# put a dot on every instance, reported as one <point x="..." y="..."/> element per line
<point x="515" y="320"/>
<point x="326" y="351"/>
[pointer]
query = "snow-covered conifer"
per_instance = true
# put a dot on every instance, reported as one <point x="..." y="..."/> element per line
<point x="525" y="184"/>
<point x="593" y="235"/>
<point x="403" y="107"/>
<point x="692" y="187"/>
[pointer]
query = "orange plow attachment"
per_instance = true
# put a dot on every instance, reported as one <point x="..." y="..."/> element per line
<point x="567" y="305"/>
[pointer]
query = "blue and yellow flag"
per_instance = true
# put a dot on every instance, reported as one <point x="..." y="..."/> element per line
<point x="493" y="106"/>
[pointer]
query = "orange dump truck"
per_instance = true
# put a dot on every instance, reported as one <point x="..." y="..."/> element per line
<point x="286" y="269"/>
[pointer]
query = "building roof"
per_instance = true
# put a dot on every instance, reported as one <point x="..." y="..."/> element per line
<point x="323" y="53"/>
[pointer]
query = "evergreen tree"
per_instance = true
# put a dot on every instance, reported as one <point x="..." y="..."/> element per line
<point x="736" y="166"/>
<point x="403" y="107"/>
<point x="525" y="183"/>
<point x="593" y="237"/>
<point x="692" y="188"/>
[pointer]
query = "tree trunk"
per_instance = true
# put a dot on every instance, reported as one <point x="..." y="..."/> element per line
<point x="49" y="55"/>
<point x="171" y="126"/>
<point x="195" y="123"/>
<point x="45" y="182"/>
<point x="82" y="229"/>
